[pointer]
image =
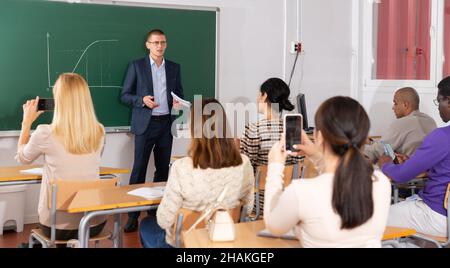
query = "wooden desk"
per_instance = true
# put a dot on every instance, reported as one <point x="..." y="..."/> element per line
<point x="397" y="232"/>
<point x="12" y="175"/>
<point x="109" y="201"/>
<point x="110" y="198"/>
<point x="246" y="237"/>
<point x="417" y="183"/>
<point x="176" y="157"/>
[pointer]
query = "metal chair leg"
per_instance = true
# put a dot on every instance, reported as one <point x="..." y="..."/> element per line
<point x="395" y="194"/>
<point x="30" y="241"/>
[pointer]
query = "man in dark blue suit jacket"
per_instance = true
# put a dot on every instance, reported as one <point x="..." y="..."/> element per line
<point x="147" y="88"/>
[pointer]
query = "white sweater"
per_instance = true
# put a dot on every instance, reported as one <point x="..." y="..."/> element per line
<point x="306" y="206"/>
<point x="195" y="188"/>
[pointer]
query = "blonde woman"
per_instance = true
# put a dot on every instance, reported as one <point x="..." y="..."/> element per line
<point x="71" y="146"/>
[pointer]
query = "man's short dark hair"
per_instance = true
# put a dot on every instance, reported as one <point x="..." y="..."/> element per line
<point x="444" y="87"/>
<point x="409" y="94"/>
<point x="155" y="31"/>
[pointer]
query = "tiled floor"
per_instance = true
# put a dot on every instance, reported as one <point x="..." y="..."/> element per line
<point x="11" y="239"/>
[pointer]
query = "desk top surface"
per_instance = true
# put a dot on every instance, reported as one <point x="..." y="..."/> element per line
<point x="246" y="237"/>
<point x="13" y="173"/>
<point x="397" y="232"/>
<point x="110" y="198"/>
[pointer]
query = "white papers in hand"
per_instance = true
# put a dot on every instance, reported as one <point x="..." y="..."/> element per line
<point x="32" y="171"/>
<point x="148" y="192"/>
<point x="289" y="235"/>
<point x="180" y="100"/>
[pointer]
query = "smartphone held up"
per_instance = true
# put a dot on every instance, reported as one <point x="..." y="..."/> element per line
<point x="46" y="105"/>
<point x="293" y="125"/>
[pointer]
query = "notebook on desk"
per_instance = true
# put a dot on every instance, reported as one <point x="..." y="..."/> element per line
<point x="289" y="235"/>
<point x="148" y="192"/>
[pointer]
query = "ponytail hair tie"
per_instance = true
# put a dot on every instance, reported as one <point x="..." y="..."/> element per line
<point x="350" y="144"/>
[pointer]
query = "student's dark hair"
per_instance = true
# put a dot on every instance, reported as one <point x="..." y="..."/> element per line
<point x="211" y="145"/>
<point x="411" y="96"/>
<point x="444" y="87"/>
<point x="344" y="125"/>
<point x="154" y="31"/>
<point x="277" y="92"/>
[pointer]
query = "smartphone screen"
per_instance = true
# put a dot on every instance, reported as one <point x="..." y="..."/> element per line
<point x="293" y="125"/>
<point x="390" y="152"/>
<point x="46" y="105"/>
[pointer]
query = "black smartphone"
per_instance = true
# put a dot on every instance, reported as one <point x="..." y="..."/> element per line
<point x="293" y="125"/>
<point x="46" y="105"/>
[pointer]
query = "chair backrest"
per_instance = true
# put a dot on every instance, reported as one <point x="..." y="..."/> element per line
<point x="447" y="206"/>
<point x="186" y="218"/>
<point x="423" y="175"/>
<point x="446" y="200"/>
<point x="67" y="189"/>
<point x="261" y="174"/>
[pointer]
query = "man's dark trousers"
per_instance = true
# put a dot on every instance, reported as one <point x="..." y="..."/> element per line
<point x="156" y="138"/>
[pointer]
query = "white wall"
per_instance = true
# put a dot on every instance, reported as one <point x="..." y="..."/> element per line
<point x="324" y="70"/>
<point x="251" y="48"/>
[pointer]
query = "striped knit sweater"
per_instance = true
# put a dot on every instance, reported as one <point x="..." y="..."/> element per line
<point x="258" y="139"/>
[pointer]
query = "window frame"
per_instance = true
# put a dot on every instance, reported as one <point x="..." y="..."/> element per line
<point x="436" y="49"/>
<point x="442" y="51"/>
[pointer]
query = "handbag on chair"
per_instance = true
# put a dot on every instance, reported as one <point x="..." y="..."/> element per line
<point x="220" y="225"/>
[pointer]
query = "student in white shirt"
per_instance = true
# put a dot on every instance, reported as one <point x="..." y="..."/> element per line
<point x="347" y="205"/>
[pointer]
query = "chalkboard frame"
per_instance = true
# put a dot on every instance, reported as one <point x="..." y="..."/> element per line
<point x="126" y="129"/>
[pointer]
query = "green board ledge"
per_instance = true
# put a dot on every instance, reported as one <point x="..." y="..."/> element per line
<point x="16" y="133"/>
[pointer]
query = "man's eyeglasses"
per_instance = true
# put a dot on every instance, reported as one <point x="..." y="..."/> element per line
<point x="438" y="100"/>
<point x="162" y="43"/>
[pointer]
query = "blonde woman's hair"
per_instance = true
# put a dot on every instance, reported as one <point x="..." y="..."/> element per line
<point x="74" y="122"/>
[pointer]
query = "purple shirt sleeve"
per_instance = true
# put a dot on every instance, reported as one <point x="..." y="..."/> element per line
<point x="432" y="150"/>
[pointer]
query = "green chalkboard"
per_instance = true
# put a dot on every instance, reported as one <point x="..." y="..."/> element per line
<point x="40" y="40"/>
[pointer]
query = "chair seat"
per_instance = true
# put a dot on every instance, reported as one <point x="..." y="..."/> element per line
<point x="101" y="236"/>
<point x="440" y="239"/>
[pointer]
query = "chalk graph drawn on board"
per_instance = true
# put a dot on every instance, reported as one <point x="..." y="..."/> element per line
<point x="78" y="62"/>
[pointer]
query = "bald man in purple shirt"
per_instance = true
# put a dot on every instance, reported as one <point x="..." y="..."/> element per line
<point x="425" y="212"/>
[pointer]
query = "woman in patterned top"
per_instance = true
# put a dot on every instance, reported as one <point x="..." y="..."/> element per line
<point x="259" y="137"/>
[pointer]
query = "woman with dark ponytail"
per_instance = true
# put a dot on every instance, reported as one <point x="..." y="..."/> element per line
<point x="258" y="138"/>
<point x="348" y="204"/>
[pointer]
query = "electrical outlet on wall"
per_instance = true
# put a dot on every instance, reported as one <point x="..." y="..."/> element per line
<point x="296" y="47"/>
